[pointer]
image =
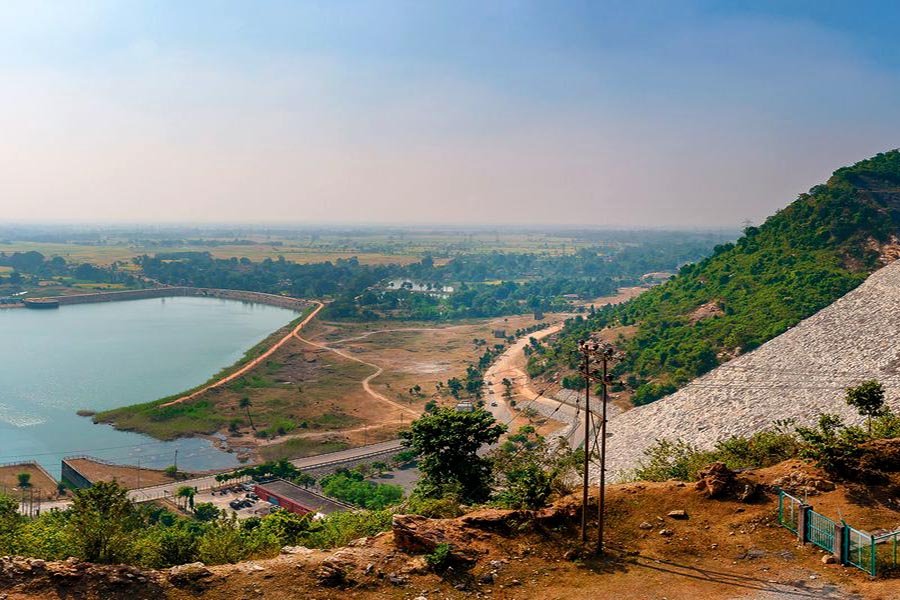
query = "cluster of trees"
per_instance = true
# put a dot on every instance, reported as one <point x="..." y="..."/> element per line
<point x="486" y="285"/>
<point x="799" y="261"/>
<point x="103" y="525"/>
<point x="351" y="486"/>
<point x="522" y="472"/>
<point x="33" y="265"/>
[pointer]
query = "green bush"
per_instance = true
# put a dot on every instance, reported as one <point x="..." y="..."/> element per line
<point x="440" y="558"/>
<point x="351" y="486"/>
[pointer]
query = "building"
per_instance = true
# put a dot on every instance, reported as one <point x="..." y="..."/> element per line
<point x="296" y="499"/>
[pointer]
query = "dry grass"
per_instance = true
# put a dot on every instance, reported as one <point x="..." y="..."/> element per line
<point x="43" y="485"/>
<point x="126" y="476"/>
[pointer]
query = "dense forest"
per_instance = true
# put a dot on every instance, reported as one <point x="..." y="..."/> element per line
<point x="800" y="260"/>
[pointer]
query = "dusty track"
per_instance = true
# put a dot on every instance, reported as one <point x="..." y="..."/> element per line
<point x="256" y="361"/>
<point x="366" y="383"/>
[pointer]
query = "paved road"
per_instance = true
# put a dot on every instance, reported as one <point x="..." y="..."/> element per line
<point x="209" y="481"/>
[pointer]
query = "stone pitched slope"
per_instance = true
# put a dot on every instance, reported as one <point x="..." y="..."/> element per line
<point x="797" y="375"/>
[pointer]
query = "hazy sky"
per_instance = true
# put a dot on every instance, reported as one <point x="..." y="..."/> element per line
<point x="671" y="113"/>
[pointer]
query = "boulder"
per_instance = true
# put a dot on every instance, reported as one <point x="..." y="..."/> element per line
<point x="191" y="575"/>
<point x="420" y="535"/>
<point x="677" y="514"/>
<point x="717" y="481"/>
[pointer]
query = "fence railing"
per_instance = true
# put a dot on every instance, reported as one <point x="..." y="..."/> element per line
<point x="874" y="554"/>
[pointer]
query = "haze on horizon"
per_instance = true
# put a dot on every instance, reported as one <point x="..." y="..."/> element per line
<point x="687" y="114"/>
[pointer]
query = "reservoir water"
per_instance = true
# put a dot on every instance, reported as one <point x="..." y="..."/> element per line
<point x="99" y="356"/>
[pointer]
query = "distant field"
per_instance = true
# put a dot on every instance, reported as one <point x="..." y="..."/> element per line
<point x="369" y="248"/>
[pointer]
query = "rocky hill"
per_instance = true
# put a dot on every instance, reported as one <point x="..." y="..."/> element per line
<point x="797" y="375"/>
<point x="799" y="261"/>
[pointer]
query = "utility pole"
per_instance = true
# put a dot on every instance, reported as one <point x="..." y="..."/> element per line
<point x="592" y="350"/>
<point x="605" y="355"/>
<point x="586" y="373"/>
<point x="176" y="460"/>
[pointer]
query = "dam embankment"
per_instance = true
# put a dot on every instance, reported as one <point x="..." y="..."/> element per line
<point x="165" y="292"/>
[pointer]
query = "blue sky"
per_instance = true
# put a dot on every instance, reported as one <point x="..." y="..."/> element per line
<point x="610" y="113"/>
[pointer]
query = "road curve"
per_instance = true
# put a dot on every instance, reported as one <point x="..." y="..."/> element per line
<point x="253" y="363"/>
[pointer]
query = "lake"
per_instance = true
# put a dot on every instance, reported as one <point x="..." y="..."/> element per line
<point x="99" y="356"/>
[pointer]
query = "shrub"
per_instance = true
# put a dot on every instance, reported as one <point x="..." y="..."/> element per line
<point x="672" y="460"/>
<point x="440" y="558"/>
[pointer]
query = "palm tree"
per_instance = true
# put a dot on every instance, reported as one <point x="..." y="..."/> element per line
<point x="246" y="404"/>
<point x="186" y="493"/>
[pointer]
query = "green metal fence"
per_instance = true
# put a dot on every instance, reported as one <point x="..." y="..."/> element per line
<point x="788" y="511"/>
<point x="874" y="554"/>
<point x="820" y="531"/>
<point x="885" y="550"/>
<point x="859" y="550"/>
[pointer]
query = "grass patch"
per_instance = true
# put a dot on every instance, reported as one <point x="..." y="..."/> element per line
<point x="300" y="447"/>
<point x="188" y="418"/>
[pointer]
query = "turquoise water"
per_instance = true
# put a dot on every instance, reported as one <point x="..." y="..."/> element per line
<point x="99" y="356"/>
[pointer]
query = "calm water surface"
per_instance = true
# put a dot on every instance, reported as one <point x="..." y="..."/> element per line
<point x="99" y="356"/>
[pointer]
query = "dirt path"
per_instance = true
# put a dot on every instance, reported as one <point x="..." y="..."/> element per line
<point x="366" y="383"/>
<point x="371" y="333"/>
<point x="256" y="361"/>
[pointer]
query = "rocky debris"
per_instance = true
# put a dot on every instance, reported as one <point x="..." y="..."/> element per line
<point x="35" y="573"/>
<point x="333" y="573"/>
<point x="828" y="559"/>
<point x="717" y="481"/>
<point x="301" y="550"/>
<point x="420" y="535"/>
<point x="677" y="514"/>
<point x="666" y="532"/>
<point x="645" y="525"/>
<point x="191" y="575"/>
<point x="801" y="482"/>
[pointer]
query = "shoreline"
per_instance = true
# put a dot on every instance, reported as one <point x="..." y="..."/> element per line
<point x="276" y="300"/>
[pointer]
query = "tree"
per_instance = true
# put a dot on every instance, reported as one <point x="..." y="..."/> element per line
<point x="24" y="480"/>
<point x="102" y="523"/>
<point x="186" y="493"/>
<point x="246" y="404"/>
<point x="171" y="471"/>
<point x="455" y="386"/>
<point x="507" y="388"/>
<point x="206" y="511"/>
<point x="447" y="443"/>
<point x="868" y="399"/>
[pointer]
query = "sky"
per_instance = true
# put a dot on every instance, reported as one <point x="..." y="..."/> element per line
<point x="664" y="114"/>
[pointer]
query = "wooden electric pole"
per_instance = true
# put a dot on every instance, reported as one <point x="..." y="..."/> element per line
<point x="592" y="350"/>
<point x="605" y="355"/>
<point x="586" y="373"/>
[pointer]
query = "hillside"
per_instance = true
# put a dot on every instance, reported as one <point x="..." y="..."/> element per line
<point x="799" y="261"/>
<point x="796" y="376"/>
<point x="722" y="549"/>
